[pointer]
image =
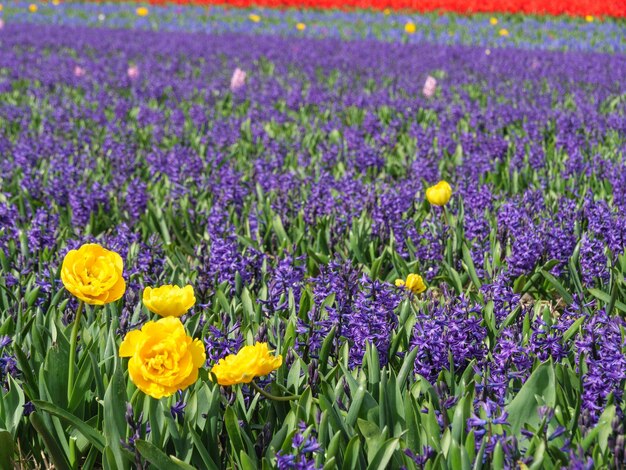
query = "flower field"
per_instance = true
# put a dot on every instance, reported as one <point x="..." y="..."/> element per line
<point x="553" y="7"/>
<point x="303" y="239"/>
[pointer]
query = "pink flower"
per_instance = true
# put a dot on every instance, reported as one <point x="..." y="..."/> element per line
<point x="238" y="79"/>
<point x="430" y="86"/>
<point x="79" y="71"/>
<point x="133" y="72"/>
<point x="1" y="23"/>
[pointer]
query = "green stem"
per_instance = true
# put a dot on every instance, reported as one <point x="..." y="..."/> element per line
<point x="73" y="340"/>
<point x="273" y="397"/>
<point x="447" y="216"/>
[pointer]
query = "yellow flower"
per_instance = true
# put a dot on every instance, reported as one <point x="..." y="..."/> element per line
<point x="32" y="8"/>
<point x="589" y="19"/>
<point x="248" y="363"/>
<point x="142" y="11"/>
<point x="410" y="28"/>
<point x="300" y="26"/>
<point x="414" y="283"/>
<point x="169" y="301"/>
<point x="93" y="274"/>
<point x="254" y="18"/>
<point x="503" y="32"/>
<point x="163" y="359"/>
<point x="387" y="11"/>
<point x="56" y="2"/>
<point x="1" y="7"/>
<point x="439" y="194"/>
<point x="493" y="21"/>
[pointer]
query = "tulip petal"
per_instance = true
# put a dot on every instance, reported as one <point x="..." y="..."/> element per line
<point x="130" y="343"/>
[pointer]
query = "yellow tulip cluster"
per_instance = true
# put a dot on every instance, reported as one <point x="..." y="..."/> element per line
<point x="163" y="358"/>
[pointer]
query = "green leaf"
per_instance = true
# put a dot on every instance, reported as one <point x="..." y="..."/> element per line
<point x="606" y="298"/>
<point x="408" y="365"/>
<point x="523" y="408"/>
<point x="325" y="351"/>
<point x="13" y="403"/>
<point x="374" y="438"/>
<point x="92" y="435"/>
<point x="232" y="428"/>
<point x="498" y="457"/>
<point x="351" y="457"/>
<point x="114" y="426"/>
<point x="246" y="462"/>
<point x="201" y="449"/>
<point x="30" y="383"/>
<point x="565" y="295"/>
<point x="7" y="448"/>
<point x="469" y="266"/>
<point x="606" y="429"/>
<point x="355" y="406"/>
<point x="82" y="383"/>
<point x="572" y="330"/>
<point x="55" y="371"/>
<point x="59" y="459"/>
<point x="478" y="462"/>
<point x="384" y="454"/>
<point x="158" y="458"/>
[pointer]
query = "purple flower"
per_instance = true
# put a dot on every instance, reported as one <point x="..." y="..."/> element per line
<point x="304" y="445"/>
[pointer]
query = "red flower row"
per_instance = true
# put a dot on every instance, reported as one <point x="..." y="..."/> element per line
<point x="552" y="7"/>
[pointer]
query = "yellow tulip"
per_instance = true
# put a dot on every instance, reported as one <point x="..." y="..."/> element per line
<point x="169" y="301"/>
<point x="32" y="8"/>
<point x="387" y="11"/>
<point x="93" y="274"/>
<point x="589" y="19"/>
<point x="493" y="21"/>
<point x="414" y="283"/>
<point x="300" y="26"/>
<point x="248" y="363"/>
<point x="410" y="28"/>
<point x="142" y="11"/>
<point x="163" y="358"/>
<point x="503" y="32"/>
<point x="254" y="18"/>
<point x="439" y="194"/>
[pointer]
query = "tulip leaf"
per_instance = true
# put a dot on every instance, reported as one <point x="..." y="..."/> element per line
<point x="114" y="417"/>
<point x="93" y="436"/>
<point x="55" y="452"/>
